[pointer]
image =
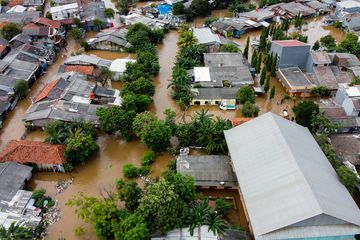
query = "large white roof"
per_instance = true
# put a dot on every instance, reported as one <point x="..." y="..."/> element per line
<point x="202" y="74"/>
<point x="206" y="36"/>
<point x="119" y="65"/>
<point x="63" y="7"/>
<point x="289" y="188"/>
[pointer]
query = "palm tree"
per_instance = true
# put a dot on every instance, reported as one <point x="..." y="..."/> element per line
<point x="16" y="232"/>
<point x="187" y="39"/>
<point x="198" y="216"/>
<point x="109" y="13"/>
<point x="216" y="224"/>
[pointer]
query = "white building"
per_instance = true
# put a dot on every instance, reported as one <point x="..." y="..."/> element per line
<point x="349" y="98"/>
<point x="288" y="187"/>
<point x="67" y="11"/>
<point x="118" y="66"/>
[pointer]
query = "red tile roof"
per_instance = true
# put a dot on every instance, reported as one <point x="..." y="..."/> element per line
<point x="87" y="70"/>
<point x="290" y="43"/>
<point x="25" y="151"/>
<point x="46" y="90"/>
<point x="13" y="3"/>
<point x="2" y="48"/>
<point x="48" y="22"/>
<point x="238" y="121"/>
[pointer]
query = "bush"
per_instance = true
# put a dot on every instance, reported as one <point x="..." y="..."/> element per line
<point x="229" y="48"/>
<point x="148" y="158"/>
<point x="144" y="170"/>
<point x="38" y="193"/>
<point x="223" y="207"/>
<point x="130" y="171"/>
<point x="250" y="110"/>
<point x="348" y="178"/>
<point x="245" y="94"/>
<point x="85" y="45"/>
<point x="21" y="88"/>
<point x="10" y="30"/>
<point x="76" y="33"/>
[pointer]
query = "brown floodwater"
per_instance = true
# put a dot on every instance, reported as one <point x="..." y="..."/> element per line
<point x="98" y="176"/>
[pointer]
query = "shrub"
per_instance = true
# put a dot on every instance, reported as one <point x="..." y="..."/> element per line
<point x="222" y="207"/>
<point x="130" y="171"/>
<point x="245" y="94"/>
<point x="38" y="193"/>
<point x="250" y="110"/>
<point x="144" y="170"/>
<point x="148" y="158"/>
<point x="348" y="178"/>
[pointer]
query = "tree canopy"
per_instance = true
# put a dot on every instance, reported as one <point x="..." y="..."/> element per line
<point x="303" y="112"/>
<point x="245" y="94"/>
<point x="10" y="30"/>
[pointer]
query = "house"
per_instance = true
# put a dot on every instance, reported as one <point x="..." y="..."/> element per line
<point x="234" y="27"/>
<point x="346" y="61"/>
<point x="33" y="3"/>
<point x="68" y="11"/>
<point x="70" y="99"/>
<point x="291" y="53"/>
<point x="347" y="147"/>
<point x="91" y="11"/>
<point x="4" y="48"/>
<point x="263" y="15"/>
<point x="16" y="204"/>
<point x="45" y="156"/>
<point x="349" y="98"/>
<point x="292" y="9"/>
<point x="113" y="40"/>
<point x="222" y="70"/>
<point x="20" y="18"/>
<point x="207" y="38"/>
<point x="88" y="60"/>
<point x="282" y="172"/>
<point x="13" y="177"/>
<point x="89" y="71"/>
<point x="208" y="171"/>
<point x="134" y="18"/>
<point x="319" y="7"/>
<point x="214" y="96"/>
<point x="118" y="67"/>
<point x="345" y="7"/>
<point x="17" y="9"/>
<point x="33" y="54"/>
<point x="295" y="81"/>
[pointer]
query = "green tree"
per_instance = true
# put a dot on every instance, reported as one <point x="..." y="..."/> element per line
<point x="135" y="102"/>
<point x="258" y="63"/>
<point x="105" y="76"/>
<point x="98" y="24"/>
<point x="215" y="223"/>
<point x="328" y="41"/>
<point x="250" y="110"/>
<point x="148" y="158"/>
<point x="187" y="39"/>
<point x="131" y="194"/>
<point x="267" y="84"/>
<point x="263" y="76"/>
<point x="109" y="13"/>
<point x="320" y="91"/>
<point x="263" y="39"/>
<point x="245" y="94"/>
<point x="200" y="8"/>
<point x="298" y="21"/>
<point x="17" y="232"/>
<point x="178" y="8"/>
<point x="348" y="178"/>
<point x="21" y="88"/>
<point x="48" y="15"/>
<point x="114" y="118"/>
<point x="141" y="120"/>
<point x="183" y="185"/>
<point x="254" y="59"/>
<point x="77" y="22"/>
<point x="246" y="49"/>
<point x="320" y="124"/>
<point x="274" y="65"/>
<point x="304" y="111"/>
<point x="124" y="6"/>
<point x="159" y="206"/>
<point x="76" y="33"/>
<point x="79" y="147"/>
<point x="355" y="81"/>
<point x="223" y="207"/>
<point x="316" y="45"/>
<point x="132" y="227"/>
<point x="272" y="92"/>
<point x="10" y="30"/>
<point x="209" y="20"/>
<point x="350" y="44"/>
<point x="130" y="171"/>
<point x="229" y="48"/>
<point x="156" y="135"/>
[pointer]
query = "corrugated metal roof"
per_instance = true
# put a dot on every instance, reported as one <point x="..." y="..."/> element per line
<point x="286" y="179"/>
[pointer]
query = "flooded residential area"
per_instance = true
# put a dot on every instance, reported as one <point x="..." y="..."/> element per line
<point x="284" y="173"/>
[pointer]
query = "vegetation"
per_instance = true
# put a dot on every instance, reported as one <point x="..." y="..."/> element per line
<point x="250" y="110"/>
<point x="130" y="171"/>
<point x="350" y="44"/>
<point x="109" y="13"/>
<point x="209" y="20"/>
<point x="17" y="232"/>
<point x="41" y="201"/>
<point x="21" y="88"/>
<point x="239" y="6"/>
<point x="199" y="8"/>
<point x="320" y="91"/>
<point x="355" y="81"/>
<point x="98" y="24"/>
<point x="10" y="30"/>
<point x="229" y="48"/>
<point x="79" y="139"/>
<point x="223" y="207"/>
<point x="187" y="39"/>
<point x="328" y="41"/>
<point x="245" y="94"/>
<point x="76" y="33"/>
<point x="348" y="178"/>
<point x="48" y="15"/>
<point x="320" y="124"/>
<point x="316" y="45"/>
<point x="267" y="84"/>
<point x="105" y="76"/>
<point x="178" y="8"/>
<point x="272" y="92"/>
<point x="246" y="50"/>
<point x="262" y="76"/>
<point x="303" y="112"/>
<point x="124" y="6"/>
